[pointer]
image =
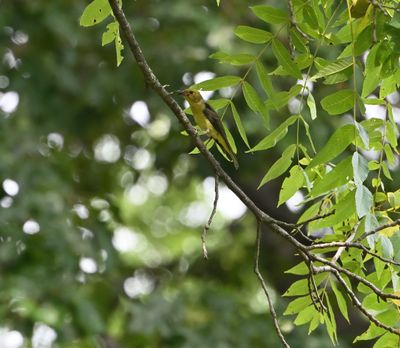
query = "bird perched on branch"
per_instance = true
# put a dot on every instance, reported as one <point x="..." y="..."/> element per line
<point x="208" y="120"/>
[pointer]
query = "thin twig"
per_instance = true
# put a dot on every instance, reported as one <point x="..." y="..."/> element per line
<point x="312" y="286"/>
<point x="380" y="228"/>
<point x="208" y="224"/>
<point x="264" y="286"/>
<point x="352" y="245"/>
<point x="348" y="240"/>
<point x="302" y="234"/>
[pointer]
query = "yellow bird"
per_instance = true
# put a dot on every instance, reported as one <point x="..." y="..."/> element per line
<point x="208" y="120"/>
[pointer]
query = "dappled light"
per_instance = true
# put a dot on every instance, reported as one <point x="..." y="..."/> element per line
<point x="107" y="149"/>
<point x="9" y="101"/>
<point x="11" y="187"/>
<point x="31" y="227"/>
<point x="139" y="113"/>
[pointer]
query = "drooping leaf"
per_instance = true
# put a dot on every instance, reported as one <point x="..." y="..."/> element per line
<point x="364" y="201"/>
<point x="239" y="125"/>
<point x="311" y="105"/>
<point x="283" y="56"/>
<point x="360" y="168"/>
<point x="372" y="73"/>
<point x="265" y="80"/>
<point x="341" y="301"/>
<point x="251" y="96"/>
<point x="280" y="166"/>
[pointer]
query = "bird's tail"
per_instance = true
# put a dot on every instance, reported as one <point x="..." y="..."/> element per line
<point x="224" y="145"/>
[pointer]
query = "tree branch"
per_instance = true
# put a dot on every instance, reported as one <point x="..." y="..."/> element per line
<point x="264" y="287"/>
<point x="208" y="224"/>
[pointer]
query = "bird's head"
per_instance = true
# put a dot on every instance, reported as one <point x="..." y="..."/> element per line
<point x="191" y="95"/>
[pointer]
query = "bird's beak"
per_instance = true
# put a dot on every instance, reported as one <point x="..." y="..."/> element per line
<point x="180" y="92"/>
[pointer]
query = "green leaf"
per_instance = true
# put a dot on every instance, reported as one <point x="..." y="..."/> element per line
<point x="389" y="154"/>
<point x="253" y="35"/>
<point x="341" y="301"/>
<point x="95" y="12"/>
<point x="230" y="138"/>
<point x="217" y="83"/>
<point x="252" y="99"/>
<point x="372" y="332"/>
<point x="363" y="134"/>
<point x="111" y="32"/>
<point x="337" y="177"/>
<point x="299" y="269"/>
<point x="386" y="246"/>
<point x="235" y="59"/>
<point x="239" y="125"/>
<point x="118" y="47"/>
<point x="311" y="105"/>
<point x="265" y="80"/>
<point x="280" y="166"/>
<point x="270" y="14"/>
<point x="297" y="305"/>
<point x="338" y="102"/>
<point x="388" y="340"/>
<point x="218" y="2"/>
<point x="336" y="144"/>
<point x="291" y="184"/>
<point x="364" y="201"/>
<point x="360" y="168"/>
<point x="332" y="68"/>
<point x="276" y="135"/>
<point x="332" y="322"/>
<point x="298" y="288"/>
<point x="372" y="73"/>
<point x="306" y="315"/>
<point x="218" y="104"/>
<point x="284" y="59"/>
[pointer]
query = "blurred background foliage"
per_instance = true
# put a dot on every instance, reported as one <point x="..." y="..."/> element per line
<point x="102" y="207"/>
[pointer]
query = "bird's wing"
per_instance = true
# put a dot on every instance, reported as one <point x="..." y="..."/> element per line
<point x="214" y="119"/>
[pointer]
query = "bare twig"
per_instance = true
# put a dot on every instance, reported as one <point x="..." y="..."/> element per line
<point x="264" y="287"/>
<point x="208" y="224"/>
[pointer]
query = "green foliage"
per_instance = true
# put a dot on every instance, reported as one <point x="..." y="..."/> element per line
<point x="267" y="68"/>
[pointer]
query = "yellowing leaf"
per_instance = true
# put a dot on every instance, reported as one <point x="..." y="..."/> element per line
<point x="95" y="12"/>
